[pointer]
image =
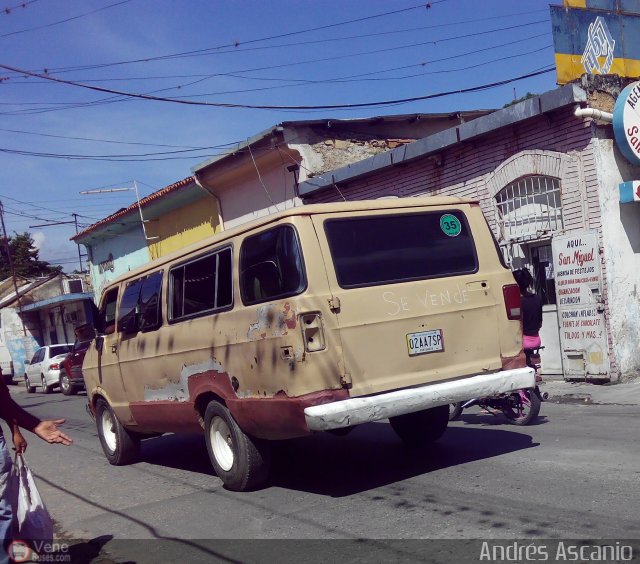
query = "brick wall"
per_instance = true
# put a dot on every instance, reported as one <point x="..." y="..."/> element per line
<point x="556" y="144"/>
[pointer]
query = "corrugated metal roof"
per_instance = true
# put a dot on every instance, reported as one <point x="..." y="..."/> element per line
<point x="133" y="208"/>
<point x="24" y="290"/>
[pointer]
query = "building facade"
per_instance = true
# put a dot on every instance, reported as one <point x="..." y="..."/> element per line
<point x="546" y="174"/>
<point x="45" y="311"/>
<point x="254" y="178"/>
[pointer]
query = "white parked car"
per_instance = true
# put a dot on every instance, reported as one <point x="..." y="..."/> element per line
<point x="44" y="368"/>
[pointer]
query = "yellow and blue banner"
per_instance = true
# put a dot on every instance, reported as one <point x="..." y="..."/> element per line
<point x="596" y="39"/>
<point x="609" y="5"/>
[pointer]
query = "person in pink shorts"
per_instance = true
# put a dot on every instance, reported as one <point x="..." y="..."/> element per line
<point x="531" y="310"/>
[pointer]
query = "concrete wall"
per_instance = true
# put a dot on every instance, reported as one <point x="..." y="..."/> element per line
<point x="115" y="256"/>
<point x="621" y="243"/>
<point x="250" y="196"/>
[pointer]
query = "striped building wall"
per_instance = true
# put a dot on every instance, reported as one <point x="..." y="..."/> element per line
<point x="557" y="144"/>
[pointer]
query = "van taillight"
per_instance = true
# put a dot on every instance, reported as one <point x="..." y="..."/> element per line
<point x="312" y="332"/>
<point x="512" y="301"/>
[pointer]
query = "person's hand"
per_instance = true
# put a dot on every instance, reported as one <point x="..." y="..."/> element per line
<point x="48" y="431"/>
<point x="19" y="442"/>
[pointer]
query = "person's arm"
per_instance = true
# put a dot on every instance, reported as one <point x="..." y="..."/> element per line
<point x="14" y="415"/>
<point x="19" y="442"/>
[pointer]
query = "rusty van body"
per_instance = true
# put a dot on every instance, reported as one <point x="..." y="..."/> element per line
<point x="313" y="319"/>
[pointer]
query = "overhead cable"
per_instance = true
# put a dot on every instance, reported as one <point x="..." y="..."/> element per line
<point x="65" y="20"/>
<point x="279" y="107"/>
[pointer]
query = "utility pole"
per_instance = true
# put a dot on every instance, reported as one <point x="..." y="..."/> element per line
<point x="75" y="222"/>
<point x="10" y="261"/>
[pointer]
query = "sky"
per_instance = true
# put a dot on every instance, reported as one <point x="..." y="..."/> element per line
<point x="60" y="137"/>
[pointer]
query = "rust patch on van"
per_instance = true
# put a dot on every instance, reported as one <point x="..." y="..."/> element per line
<point x="274" y="320"/>
<point x="511" y="362"/>
<point x="280" y="416"/>
<point x="168" y="390"/>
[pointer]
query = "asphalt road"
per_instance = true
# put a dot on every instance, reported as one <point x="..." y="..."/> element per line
<point x="573" y="475"/>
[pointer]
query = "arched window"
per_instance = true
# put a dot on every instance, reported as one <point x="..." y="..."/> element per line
<point x="529" y="208"/>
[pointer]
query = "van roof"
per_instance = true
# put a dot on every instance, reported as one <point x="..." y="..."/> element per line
<point x="307" y="209"/>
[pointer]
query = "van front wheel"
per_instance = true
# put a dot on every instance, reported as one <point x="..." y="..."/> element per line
<point x="119" y="446"/>
<point x="240" y="461"/>
<point x="421" y="428"/>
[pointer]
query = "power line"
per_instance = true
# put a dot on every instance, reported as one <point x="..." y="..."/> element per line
<point x="10" y="9"/>
<point x="374" y="52"/>
<point x="358" y="54"/>
<point x="107" y="158"/>
<point x="343" y="79"/>
<point x="362" y="76"/>
<point x="60" y="70"/>
<point x="215" y="50"/>
<point x="250" y="41"/>
<point x="65" y="20"/>
<point x="221" y="146"/>
<point x="278" y="107"/>
<point x="39" y="207"/>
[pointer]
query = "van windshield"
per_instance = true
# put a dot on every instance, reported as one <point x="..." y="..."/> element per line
<point x="389" y="249"/>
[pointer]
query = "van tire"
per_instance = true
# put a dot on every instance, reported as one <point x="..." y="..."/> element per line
<point x="119" y="446"/>
<point x="28" y="386"/>
<point x="240" y="461"/>
<point x="421" y="428"/>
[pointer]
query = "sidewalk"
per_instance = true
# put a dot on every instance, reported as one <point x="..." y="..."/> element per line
<point x="627" y="393"/>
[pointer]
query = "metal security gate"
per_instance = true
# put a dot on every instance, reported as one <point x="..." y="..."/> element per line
<point x="529" y="212"/>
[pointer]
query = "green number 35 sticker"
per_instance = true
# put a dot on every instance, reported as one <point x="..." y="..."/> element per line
<point x="450" y="225"/>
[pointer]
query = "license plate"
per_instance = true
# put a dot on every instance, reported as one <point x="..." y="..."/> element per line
<point x="425" y="342"/>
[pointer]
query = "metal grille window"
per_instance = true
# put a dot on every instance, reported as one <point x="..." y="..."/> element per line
<point x="529" y="208"/>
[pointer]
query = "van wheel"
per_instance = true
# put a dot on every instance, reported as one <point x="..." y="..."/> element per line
<point x="28" y="386"/>
<point x="45" y="389"/>
<point x="421" y="428"/>
<point x="240" y="461"/>
<point x="117" y="443"/>
<point x="65" y="386"/>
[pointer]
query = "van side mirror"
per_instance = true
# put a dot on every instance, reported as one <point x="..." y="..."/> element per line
<point x="86" y="332"/>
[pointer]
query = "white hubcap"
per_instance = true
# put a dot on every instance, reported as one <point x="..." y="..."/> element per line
<point x="221" y="443"/>
<point x="108" y="433"/>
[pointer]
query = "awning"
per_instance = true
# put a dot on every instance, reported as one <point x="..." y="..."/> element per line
<point x="58" y="300"/>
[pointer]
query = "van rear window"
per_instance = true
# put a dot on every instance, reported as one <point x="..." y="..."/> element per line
<point x="388" y="249"/>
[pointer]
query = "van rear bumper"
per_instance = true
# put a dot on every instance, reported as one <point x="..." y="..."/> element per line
<point x="355" y="411"/>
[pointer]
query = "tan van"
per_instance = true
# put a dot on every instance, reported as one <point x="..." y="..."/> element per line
<point x="317" y="318"/>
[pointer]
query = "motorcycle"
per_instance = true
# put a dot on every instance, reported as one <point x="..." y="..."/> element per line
<point x="520" y="407"/>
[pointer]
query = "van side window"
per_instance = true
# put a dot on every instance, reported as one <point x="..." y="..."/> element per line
<point x="129" y="307"/>
<point x="271" y="266"/>
<point x="108" y="312"/>
<point x="150" y="310"/>
<point x="140" y="305"/>
<point x="202" y="285"/>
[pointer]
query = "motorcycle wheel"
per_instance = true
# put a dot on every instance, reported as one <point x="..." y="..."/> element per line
<point x="521" y="407"/>
<point x="455" y="410"/>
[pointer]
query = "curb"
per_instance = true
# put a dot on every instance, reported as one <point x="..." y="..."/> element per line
<point x="581" y="399"/>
